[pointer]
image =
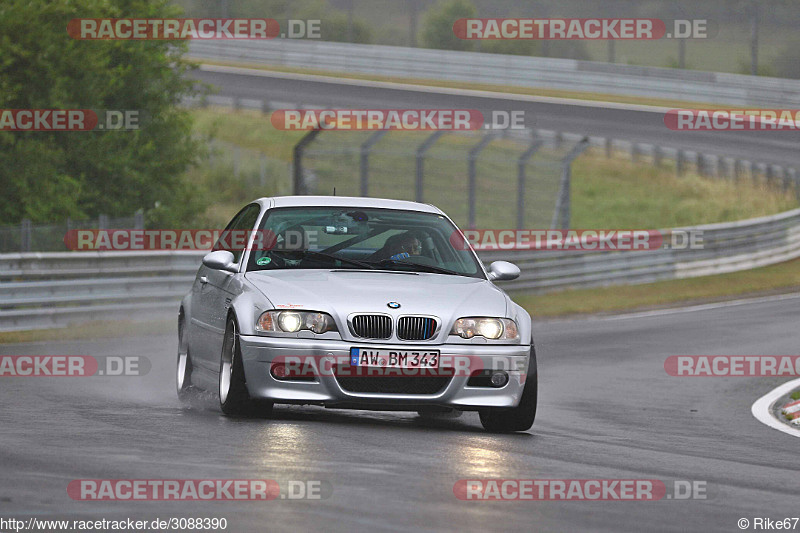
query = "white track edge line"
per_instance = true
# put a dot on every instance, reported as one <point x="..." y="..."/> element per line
<point x="762" y="408"/>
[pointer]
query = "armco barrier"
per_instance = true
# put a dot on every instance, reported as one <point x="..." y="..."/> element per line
<point x="45" y="290"/>
<point x="42" y="290"/>
<point x="500" y="69"/>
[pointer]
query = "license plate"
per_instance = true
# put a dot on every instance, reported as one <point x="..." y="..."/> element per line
<point x="394" y="358"/>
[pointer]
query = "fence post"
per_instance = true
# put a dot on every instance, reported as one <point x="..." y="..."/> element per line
<point x="472" y="177"/>
<point x="265" y="108"/>
<point x="657" y="155"/>
<point x="609" y="142"/>
<point x="420" y="157"/>
<point x="523" y="160"/>
<point x="102" y="222"/>
<point x="366" y="147"/>
<point x="25" y="235"/>
<point x="680" y="159"/>
<point x="634" y="152"/>
<point x="785" y="181"/>
<point x="701" y="164"/>
<point x="796" y="182"/>
<point x="298" y="186"/>
<point x="138" y="219"/>
<point x="561" y="215"/>
<point x="727" y="168"/>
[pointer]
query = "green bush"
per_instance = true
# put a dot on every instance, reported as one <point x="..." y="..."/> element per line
<point x="437" y="25"/>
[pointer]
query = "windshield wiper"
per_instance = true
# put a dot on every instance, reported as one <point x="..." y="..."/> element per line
<point x="424" y="268"/>
<point x="333" y="257"/>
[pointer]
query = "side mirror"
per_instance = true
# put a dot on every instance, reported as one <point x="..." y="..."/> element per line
<point x="221" y="260"/>
<point x="503" y="271"/>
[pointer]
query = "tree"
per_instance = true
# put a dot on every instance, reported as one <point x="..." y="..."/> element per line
<point x="437" y="25"/>
<point x="50" y="175"/>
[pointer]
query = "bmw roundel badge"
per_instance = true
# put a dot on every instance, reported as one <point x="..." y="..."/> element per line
<point x="393" y="305"/>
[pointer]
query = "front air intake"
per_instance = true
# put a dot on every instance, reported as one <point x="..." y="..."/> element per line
<point x="372" y="326"/>
<point x="416" y="328"/>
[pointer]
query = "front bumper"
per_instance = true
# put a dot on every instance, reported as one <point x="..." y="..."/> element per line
<point x="258" y="353"/>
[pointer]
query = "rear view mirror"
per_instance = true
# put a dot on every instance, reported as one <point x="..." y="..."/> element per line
<point x="503" y="271"/>
<point x="336" y="230"/>
<point x="221" y="260"/>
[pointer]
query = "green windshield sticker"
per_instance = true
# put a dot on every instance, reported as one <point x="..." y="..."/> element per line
<point x="261" y="261"/>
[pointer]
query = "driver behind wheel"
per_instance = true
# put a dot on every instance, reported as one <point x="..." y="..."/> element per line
<point x="407" y="245"/>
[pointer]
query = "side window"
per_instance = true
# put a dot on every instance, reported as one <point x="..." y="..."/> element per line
<point x="244" y="221"/>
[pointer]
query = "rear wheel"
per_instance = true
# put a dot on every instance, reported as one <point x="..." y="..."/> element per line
<point x="521" y="417"/>
<point x="184" y="371"/>
<point x="234" y="400"/>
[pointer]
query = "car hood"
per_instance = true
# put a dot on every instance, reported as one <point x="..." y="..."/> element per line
<point x="342" y="292"/>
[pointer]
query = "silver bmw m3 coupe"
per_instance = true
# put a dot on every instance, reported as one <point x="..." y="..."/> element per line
<point x="355" y="303"/>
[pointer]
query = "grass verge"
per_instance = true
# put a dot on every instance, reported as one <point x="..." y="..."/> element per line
<point x="94" y="330"/>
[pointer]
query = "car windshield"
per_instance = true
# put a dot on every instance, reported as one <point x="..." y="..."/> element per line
<point x="361" y="238"/>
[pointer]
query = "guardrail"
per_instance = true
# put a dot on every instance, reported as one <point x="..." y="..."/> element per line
<point x="727" y="247"/>
<point x="500" y="69"/>
<point x="44" y="290"/>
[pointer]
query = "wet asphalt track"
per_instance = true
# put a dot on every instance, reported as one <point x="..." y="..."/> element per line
<point x="607" y="410"/>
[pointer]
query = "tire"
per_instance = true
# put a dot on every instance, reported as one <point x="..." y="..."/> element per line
<point x="521" y="417"/>
<point x="234" y="400"/>
<point x="185" y="387"/>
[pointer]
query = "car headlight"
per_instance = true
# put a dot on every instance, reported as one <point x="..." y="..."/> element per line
<point x="294" y="321"/>
<point x="491" y="328"/>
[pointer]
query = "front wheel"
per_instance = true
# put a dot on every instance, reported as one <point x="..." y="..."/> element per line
<point x="521" y="417"/>
<point x="184" y="371"/>
<point x="234" y="400"/>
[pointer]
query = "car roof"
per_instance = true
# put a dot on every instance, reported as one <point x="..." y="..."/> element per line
<point x="345" y="201"/>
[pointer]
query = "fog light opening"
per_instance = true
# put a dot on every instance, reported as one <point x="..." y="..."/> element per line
<point x="499" y="379"/>
<point x="278" y="371"/>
